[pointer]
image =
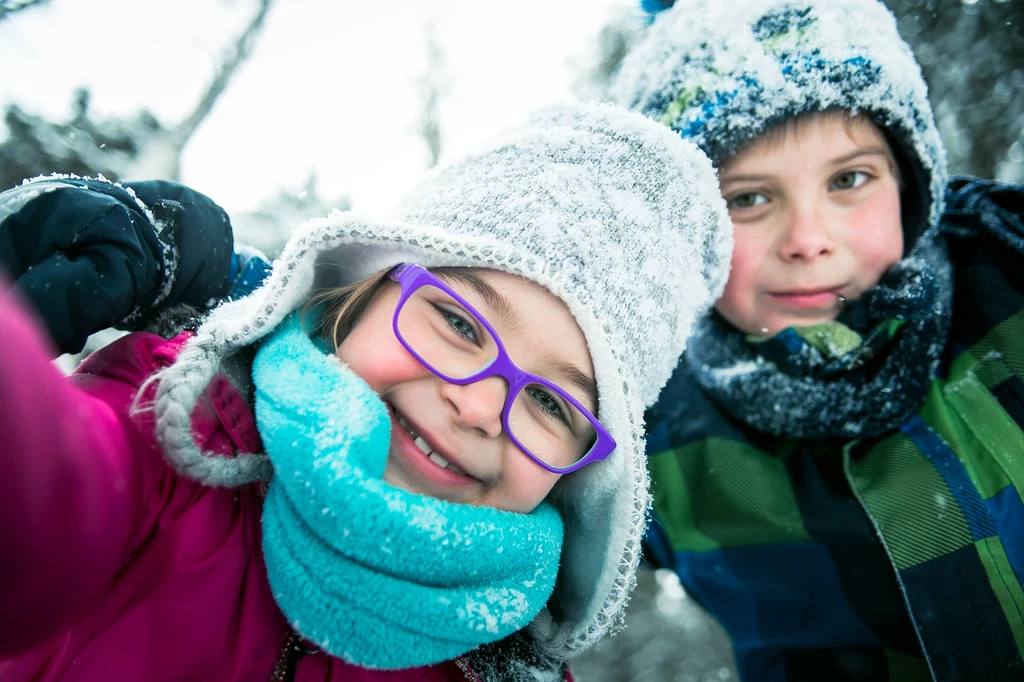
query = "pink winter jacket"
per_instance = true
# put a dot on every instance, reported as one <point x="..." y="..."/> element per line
<point x="113" y="567"/>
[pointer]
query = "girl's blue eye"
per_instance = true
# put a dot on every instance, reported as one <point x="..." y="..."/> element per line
<point x="548" y="404"/>
<point x="747" y="200"/>
<point x="458" y="324"/>
<point x="849" y="180"/>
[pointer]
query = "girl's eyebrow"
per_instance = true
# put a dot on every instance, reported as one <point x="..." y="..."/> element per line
<point x="576" y="377"/>
<point x="497" y="301"/>
<point x="508" y="313"/>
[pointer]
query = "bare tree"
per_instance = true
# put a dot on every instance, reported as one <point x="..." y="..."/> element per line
<point x="434" y="88"/>
<point x="166" y="148"/>
<point x="118" y="148"/>
<point x="595" y="70"/>
<point x="268" y="226"/>
<point x="972" y="55"/>
<point x="9" y="7"/>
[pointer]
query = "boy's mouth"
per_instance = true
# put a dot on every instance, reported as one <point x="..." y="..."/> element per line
<point x="810" y="298"/>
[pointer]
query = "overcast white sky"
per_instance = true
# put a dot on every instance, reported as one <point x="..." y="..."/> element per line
<point x="331" y="86"/>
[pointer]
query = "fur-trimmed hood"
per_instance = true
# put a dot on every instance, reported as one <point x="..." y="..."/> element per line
<point x="612" y="213"/>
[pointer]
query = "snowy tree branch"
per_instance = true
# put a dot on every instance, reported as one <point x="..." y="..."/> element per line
<point x="9" y="7"/>
<point x="232" y="59"/>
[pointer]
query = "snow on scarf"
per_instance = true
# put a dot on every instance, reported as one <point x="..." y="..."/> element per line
<point x="372" y="574"/>
<point x="857" y="377"/>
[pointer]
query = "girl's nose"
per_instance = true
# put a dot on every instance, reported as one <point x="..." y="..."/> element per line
<point x="478" y="405"/>
<point x="806" y="235"/>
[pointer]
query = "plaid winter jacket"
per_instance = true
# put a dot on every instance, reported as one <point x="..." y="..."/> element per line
<point x="893" y="558"/>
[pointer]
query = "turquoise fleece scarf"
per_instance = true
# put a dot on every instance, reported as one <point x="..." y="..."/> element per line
<point x="372" y="574"/>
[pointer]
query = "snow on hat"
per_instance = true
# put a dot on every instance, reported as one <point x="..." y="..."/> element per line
<point x="612" y="213"/>
<point x="721" y="73"/>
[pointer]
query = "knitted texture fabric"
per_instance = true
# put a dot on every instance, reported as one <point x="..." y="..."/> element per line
<point x="338" y="539"/>
<point x="609" y="211"/>
<point x="721" y="73"/>
<point x="786" y="386"/>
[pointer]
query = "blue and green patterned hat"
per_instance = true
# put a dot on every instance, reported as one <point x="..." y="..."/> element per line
<point x="721" y="73"/>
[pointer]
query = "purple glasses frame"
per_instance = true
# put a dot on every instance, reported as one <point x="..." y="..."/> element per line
<point x="411" y="277"/>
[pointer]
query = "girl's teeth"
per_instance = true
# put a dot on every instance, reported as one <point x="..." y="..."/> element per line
<point x="426" y="450"/>
<point x="442" y="462"/>
<point x="422" y="445"/>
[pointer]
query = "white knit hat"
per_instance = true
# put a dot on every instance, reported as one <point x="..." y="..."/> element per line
<point x="612" y="213"/>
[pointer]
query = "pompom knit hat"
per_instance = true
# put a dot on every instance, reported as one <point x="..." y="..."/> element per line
<point x="612" y="213"/>
<point x="721" y="73"/>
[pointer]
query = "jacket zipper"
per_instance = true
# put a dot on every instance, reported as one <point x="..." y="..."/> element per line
<point x="284" y="669"/>
<point x="288" y="659"/>
<point x="464" y="666"/>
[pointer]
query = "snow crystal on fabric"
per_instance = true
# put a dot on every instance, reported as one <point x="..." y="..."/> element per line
<point x="574" y="200"/>
<point x="804" y="393"/>
<point x="720" y="73"/>
<point x="338" y="539"/>
<point x="15" y="199"/>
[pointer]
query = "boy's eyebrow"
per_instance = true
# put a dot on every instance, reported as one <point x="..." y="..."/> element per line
<point x="726" y="179"/>
<point x="864" y="151"/>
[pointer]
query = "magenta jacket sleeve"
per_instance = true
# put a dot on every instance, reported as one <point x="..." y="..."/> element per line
<point x="70" y="487"/>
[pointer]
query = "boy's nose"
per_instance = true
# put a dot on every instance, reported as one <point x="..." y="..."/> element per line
<point x="478" y="405"/>
<point x="806" y="235"/>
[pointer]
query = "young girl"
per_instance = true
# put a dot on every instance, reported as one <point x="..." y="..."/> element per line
<point x="442" y="477"/>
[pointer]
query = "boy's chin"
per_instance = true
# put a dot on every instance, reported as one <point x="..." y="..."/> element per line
<point x="767" y="327"/>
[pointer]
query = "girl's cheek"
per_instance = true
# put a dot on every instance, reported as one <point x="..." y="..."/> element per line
<point x="382" y="364"/>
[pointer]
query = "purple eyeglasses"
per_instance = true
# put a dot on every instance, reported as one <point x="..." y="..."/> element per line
<point x="455" y="342"/>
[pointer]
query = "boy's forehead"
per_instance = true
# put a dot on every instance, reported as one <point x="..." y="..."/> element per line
<point x="859" y="128"/>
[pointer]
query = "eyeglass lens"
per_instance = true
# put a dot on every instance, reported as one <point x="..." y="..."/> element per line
<point x="454" y="343"/>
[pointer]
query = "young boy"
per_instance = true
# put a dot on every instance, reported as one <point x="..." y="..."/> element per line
<point x="839" y="458"/>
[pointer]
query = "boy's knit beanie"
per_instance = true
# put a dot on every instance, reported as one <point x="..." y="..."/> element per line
<point x="721" y="73"/>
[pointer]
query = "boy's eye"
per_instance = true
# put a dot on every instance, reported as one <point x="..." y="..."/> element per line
<point x="849" y="180"/>
<point x="746" y="200"/>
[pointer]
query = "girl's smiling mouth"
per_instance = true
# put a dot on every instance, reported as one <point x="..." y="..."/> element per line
<point x="422" y="457"/>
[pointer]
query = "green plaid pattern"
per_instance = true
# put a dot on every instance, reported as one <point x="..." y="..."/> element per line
<point x="894" y="558"/>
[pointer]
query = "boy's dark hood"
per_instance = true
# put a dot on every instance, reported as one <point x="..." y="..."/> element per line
<point x="722" y="73"/>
